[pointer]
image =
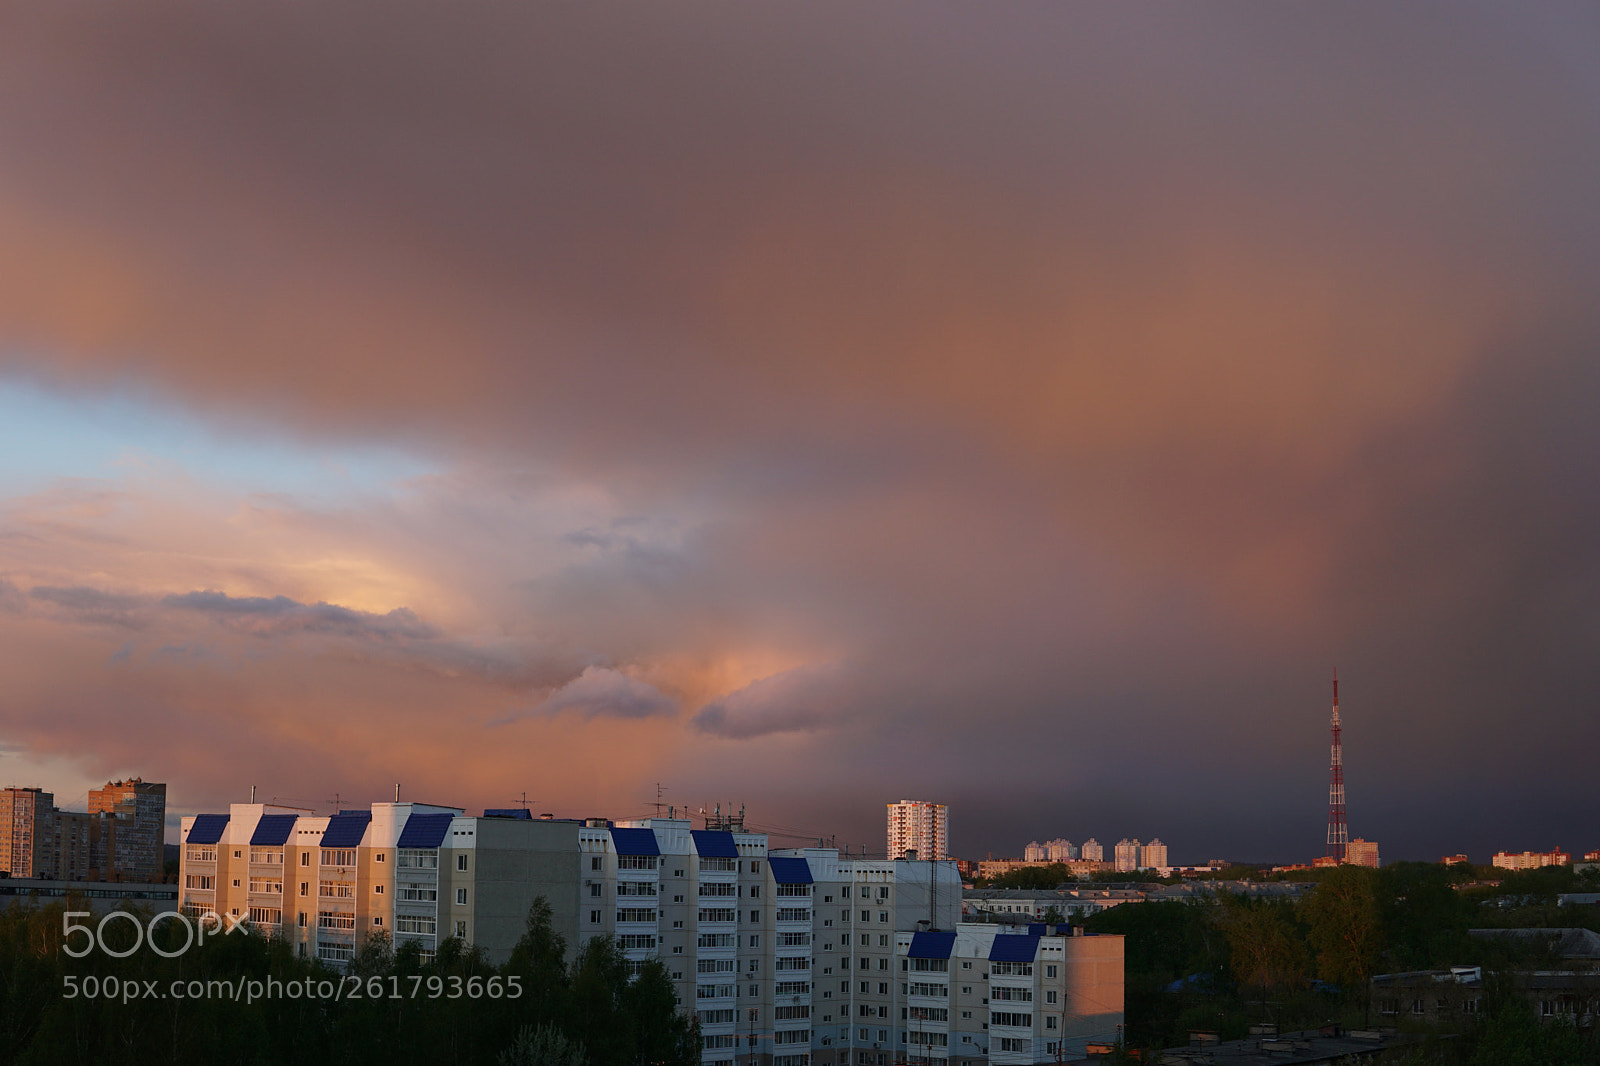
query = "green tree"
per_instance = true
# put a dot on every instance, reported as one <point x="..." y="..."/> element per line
<point x="1265" y="946"/>
<point x="1345" y="928"/>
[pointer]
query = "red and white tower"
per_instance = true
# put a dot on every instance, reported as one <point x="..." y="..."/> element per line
<point x="1338" y="832"/>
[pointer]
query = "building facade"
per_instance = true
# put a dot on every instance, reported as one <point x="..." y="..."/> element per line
<point x="27" y="832"/>
<point x="1125" y="856"/>
<point x="1153" y="856"/>
<point x="785" y="958"/>
<point x="131" y="829"/>
<point x="1362" y="853"/>
<point x="919" y="827"/>
<point x="1531" y="860"/>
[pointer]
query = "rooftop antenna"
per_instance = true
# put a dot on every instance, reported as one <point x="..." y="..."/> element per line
<point x="1338" y="831"/>
<point x="252" y="793"/>
<point x="397" y="792"/>
<point x="524" y="801"/>
<point x="659" y="791"/>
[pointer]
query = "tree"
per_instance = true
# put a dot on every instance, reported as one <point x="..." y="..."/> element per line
<point x="544" y="1046"/>
<point x="1345" y="930"/>
<point x="1263" y="944"/>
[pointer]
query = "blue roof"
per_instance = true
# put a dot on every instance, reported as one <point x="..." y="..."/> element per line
<point x="635" y="842"/>
<point x="346" y="829"/>
<point x="1013" y="947"/>
<point x="425" y="830"/>
<point x="507" y="812"/>
<point x="714" y="844"/>
<point x="206" y="828"/>
<point x="273" y="830"/>
<point x="787" y="870"/>
<point x="932" y="945"/>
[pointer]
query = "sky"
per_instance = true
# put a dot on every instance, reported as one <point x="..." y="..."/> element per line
<point x="805" y="407"/>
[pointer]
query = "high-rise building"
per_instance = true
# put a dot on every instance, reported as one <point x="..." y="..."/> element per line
<point x="1061" y="850"/>
<point x="27" y="832"/>
<point x="785" y="958"/>
<point x="1361" y="853"/>
<point x="132" y="829"/>
<point x="1036" y="852"/>
<point x="1092" y="851"/>
<point x="1153" y="856"/>
<point x="1125" y="857"/>
<point x="921" y="827"/>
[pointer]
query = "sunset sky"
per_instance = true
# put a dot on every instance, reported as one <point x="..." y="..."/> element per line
<point x="810" y="406"/>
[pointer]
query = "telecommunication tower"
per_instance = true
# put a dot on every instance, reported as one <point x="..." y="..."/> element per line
<point x="1338" y="832"/>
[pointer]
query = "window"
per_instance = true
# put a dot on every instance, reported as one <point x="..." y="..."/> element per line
<point x="594" y="917"/>
<point x="866" y="940"/>
<point x="883" y="940"/>
<point x="796" y="962"/>
<point x="415" y="923"/>
<point x="335" y="952"/>
<point x="883" y="916"/>
<point x="270" y="885"/>
<point x="866" y="916"/>
<point x="238" y="854"/>
<point x="1013" y="969"/>
<point x="417" y="858"/>
<point x="755" y="867"/>
<point x="931" y="965"/>
<point x="302" y="920"/>
<point x="716" y="888"/>
<point x="636" y="862"/>
<point x="596" y="889"/>
<point x="791" y="988"/>
<point x="338" y="857"/>
<point x="265" y="916"/>
<point x="1011" y="1043"/>
<point x="718" y="940"/>
<point x="637" y="941"/>
<point x="755" y="892"/>
<point x="377" y="890"/>
<point x="461" y="930"/>
<point x="923" y="988"/>
<point x="305" y="858"/>
<point x="337" y="889"/>
<point x="1049" y="1021"/>
<point x="999" y="1017"/>
<point x="1002" y="992"/>
<point x="235" y="882"/>
<point x="1050" y="995"/>
<point x="204" y="882"/>
<point x="677" y="873"/>
<point x="715" y="1017"/>
<point x="197" y="854"/>
<point x="628" y="914"/>
<point x="635" y="888"/>
<point x="596" y="862"/>
<point x="788" y="1014"/>
<point x="461" y="897"/>
<point x="716" y="965"/>
<point x="267" y="856"/>
<point x="1050" y="970"/>
<point x="794" y="914"/>
<point x="378" y="857"/>
<point x="718" y="914"/>
<point x="755" y="940"/>
<point x="883" y="891"/>
<point x="720" y="864"/>
<point x="333" y="920"/>
<point x="305" y="888"/>
<point x="883" y="988"/>
<point x="461" y="862"/>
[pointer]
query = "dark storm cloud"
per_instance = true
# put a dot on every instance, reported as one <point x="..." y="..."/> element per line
<point x="1093" y="379"/>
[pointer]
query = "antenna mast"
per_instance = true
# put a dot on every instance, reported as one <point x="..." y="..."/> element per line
<point x="1338" y="832"/>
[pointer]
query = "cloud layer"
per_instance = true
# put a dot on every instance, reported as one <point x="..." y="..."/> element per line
<point x="823" y="405"/>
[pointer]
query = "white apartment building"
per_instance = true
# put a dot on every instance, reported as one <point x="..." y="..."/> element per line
<point x="1125" y="856"/>
<point x="1092" y="851"/>
<point x="1153" y="856"/>
<point x="786" y="958"/>
<point x="989" y="994"/>
<point x="918" y="826"/>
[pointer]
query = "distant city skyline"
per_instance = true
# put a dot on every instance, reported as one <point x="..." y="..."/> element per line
<point x="810" y="406"/>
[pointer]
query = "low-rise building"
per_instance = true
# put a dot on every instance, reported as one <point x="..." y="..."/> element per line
<point x="1362" y="853"/>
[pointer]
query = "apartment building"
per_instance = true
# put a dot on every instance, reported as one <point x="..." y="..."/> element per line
<point x="918" y="828"/>
<point x="130" y="828"/>
<point x="27" y="845"/>
<point x="1125" y="856"/>
<point x="786" y="958"/>
<point x="1531" y="860"/>
<point x="989" y="994"/>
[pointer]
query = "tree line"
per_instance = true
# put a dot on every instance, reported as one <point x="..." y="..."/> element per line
<point x="391" y="1005"/>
